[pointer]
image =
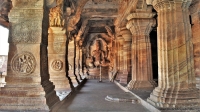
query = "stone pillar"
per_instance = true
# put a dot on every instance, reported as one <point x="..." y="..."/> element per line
<point x="115" y="57"/>
<point x="118" y="54"/>
<point x="72" y="62"/>
<point x="56" y="54"/>
<point x="120" y="62"/>
<point x="176" y="83"/>
<point x="127" y="36"/>
<point x="77" y="54"/>
<point x="81" y="62"/>
<point x="195" y="16"/>
<point x="85" y="70"/>
<point x="28" y="87"/>
<point x="140" y="24"/>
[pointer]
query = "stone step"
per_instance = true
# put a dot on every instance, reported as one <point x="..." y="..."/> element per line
<point x="25" y="101"/>
<point x="22" y="93"/>
<point x="22" y="88"/>
<point x="24" y="108"/>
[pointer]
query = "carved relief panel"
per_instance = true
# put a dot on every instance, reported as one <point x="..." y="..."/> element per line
<point x="56" y="18"/>
<point x="98" y="52"/>
<point x="23" y="63"/>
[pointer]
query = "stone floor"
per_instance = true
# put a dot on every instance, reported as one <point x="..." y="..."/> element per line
<point x="91" y="98"/>
<point x="142" y="95"/>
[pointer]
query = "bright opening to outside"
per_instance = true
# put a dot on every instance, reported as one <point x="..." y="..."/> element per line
<point x="4" y="41"/>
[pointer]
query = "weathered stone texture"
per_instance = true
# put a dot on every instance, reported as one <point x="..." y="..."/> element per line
<point x="176" y="83"/>
<point x="127" y="36"/>
<point x="195" y="16"/>
<point x="140" y="24"/>
<point x="57" y="61"/>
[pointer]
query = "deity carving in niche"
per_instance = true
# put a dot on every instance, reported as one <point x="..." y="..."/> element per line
<point x="57" y="65"/>
<point x="98" y="54"/>
<point x="23" y="63"/>
<point x="56" y="15"/>
<point x="89" y="62"/>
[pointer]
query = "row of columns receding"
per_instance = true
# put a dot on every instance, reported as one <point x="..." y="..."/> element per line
<point x="176" y="87"/>
<point x="31" y="89"/>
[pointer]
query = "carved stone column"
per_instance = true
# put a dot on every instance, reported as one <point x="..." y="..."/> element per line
<point x="81" y="62"/>
<point x="56" y="54"/>
<point x="140" y="24"/>
<point x="120" y="62"/>
<point x="115" y="56"/>
<point x="72" y="62"/>
<point x="195" y="15"/>
<point x="28" y="87"/>
<point x="118" y="53"/>
<point x="127" y="36"/>
<point x="85" y="70"/>
<point x="77" y="55"/>
<point x="176" y="83"/>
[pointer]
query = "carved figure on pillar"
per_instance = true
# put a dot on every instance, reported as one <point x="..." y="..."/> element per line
<point x="56" y="15"/>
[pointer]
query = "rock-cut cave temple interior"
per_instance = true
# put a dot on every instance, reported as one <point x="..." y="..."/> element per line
<point x="143" y="54"/>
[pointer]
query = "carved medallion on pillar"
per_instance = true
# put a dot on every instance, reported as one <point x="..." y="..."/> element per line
<point x="140" y="24"/>
<point x="176" y="83"/>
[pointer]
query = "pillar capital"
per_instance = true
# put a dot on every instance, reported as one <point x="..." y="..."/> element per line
<point x="120" y="39"/>
<point x="164" y="5"/>
<point x="140" y="15"/>
<point x="141" y="21"/>
<point x="126" y="34"/>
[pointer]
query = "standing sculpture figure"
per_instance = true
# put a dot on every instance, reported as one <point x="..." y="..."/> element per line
<point x="98" y="54"/>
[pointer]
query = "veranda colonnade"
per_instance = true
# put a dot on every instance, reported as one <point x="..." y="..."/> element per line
<point x="28" y="39"/>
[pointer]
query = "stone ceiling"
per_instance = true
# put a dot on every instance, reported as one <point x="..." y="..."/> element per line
<point x="101" y="13"/>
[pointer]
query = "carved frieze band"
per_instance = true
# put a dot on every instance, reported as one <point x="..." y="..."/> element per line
<point x="23" y="63"/>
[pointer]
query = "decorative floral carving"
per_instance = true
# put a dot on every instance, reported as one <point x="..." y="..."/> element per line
<point x="23" y="63"/>
<point x="57" y="65"/>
